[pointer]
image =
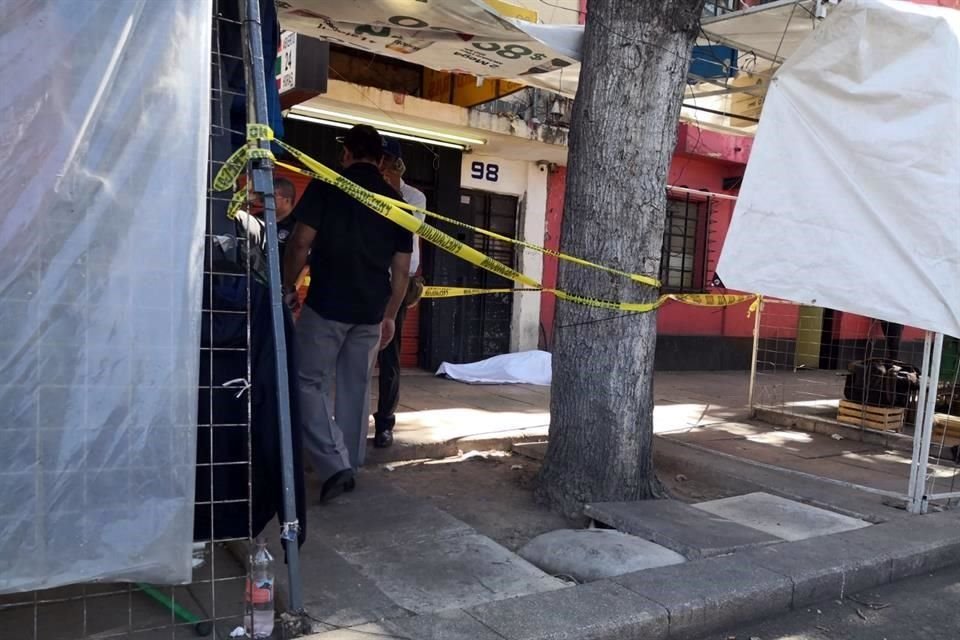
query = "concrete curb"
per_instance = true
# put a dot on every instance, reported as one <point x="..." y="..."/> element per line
<point x="683" y="602"/>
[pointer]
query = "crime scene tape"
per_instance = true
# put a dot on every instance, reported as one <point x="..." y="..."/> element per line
<point x="261" y="132"/>
<point x="697" y="299"/>
<point x="397" y="212"/>
<point x="636" y="277"/>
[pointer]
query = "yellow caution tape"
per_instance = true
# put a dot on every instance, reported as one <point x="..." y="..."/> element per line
<point x="236" y="201"/>
<point x="408" y="221"/>
<point x="397" y="212"/>
<point x="456" y="292"/>
<point x="226" y="178"/>
<point x="636" y="277"/>
<point x="697" y="299"/>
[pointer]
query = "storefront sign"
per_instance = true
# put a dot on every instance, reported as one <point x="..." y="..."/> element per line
<point x="301" y="68"/>
<point x="461" y="37"/>
<point x="489" y="173"/>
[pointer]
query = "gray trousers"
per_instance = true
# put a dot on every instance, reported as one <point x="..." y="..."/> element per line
<point x="332" y="352"/>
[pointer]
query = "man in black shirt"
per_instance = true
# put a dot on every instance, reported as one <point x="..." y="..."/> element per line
<point x="359" y="269"/>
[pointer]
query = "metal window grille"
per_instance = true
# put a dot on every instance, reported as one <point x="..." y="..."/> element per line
<point x="684" y="245"/>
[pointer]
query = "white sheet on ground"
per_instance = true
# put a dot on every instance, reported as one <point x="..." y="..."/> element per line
<point x="527" y="367"/>
<point x="849" y="201"/>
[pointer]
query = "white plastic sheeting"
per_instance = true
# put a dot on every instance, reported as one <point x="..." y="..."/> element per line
<point x="526" y="367"/>
<point x="105" y="116"/>
<point x="850" y="199"/>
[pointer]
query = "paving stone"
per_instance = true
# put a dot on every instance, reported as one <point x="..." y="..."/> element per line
<point x="780" y="517"/>
<point x="532" y="450"/>
<point x="457" y="572"/>
<point x="678" y="526"/>
<point x="743" y="474"/>
<point x="915" y="545"/>
<point x="823" y="568"/>
<point x="336" y="592"/>
<point x="446" y="625"/>
<point x="359" y="522"/>
<point x="714" y="593"/>
<point x="597" y="611"/>
<point x="592" y="554"/>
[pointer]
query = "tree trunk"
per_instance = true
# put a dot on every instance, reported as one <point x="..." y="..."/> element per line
<point x="622" y="137"/>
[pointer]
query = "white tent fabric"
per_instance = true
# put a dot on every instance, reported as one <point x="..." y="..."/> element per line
<point x="850" y="199"/>
<point x="527" y="367"/>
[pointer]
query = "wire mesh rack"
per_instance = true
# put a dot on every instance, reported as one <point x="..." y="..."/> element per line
<point x="213" y="604"/>
<point x="855" y="378"/>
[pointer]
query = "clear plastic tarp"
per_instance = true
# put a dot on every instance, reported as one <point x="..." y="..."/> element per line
<point x="104" y="109"/>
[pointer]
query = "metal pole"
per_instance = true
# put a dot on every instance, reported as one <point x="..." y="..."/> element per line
<point x="919" y="502"/>
<point x="918" y="421"/>
<point x="262" y="174"/>
<point x="756" y="353"/>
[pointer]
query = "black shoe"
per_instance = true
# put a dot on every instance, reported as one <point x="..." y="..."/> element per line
<point x="383" y="439"/>
<point x="336" y="485"/>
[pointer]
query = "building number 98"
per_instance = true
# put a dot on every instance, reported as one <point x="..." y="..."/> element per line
<point x="480" y="171"/>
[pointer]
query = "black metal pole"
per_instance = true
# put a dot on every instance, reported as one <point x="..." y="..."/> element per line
<point x="262" y="175"/>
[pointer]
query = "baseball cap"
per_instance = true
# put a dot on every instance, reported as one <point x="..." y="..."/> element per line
<point x="392" y="148"/>
<point x="363" y="141"/>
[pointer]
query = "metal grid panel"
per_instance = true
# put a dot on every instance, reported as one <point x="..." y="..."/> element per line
<point x="213" y="602"/>
<point x="803" y="369"/>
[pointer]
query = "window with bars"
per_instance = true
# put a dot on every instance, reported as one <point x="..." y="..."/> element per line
<point x="684" y="242"/>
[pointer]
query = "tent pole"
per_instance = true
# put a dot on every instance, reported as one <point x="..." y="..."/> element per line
<point x="753" y="359"/>
<point x="924" y="432"/>
<point x="918" y="419"/>
<point x="933" y="381"/>
<point x="262" y="176"/>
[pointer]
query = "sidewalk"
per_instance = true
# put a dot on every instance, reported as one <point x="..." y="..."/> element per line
<point x="437" y="416"/>
<point x="383" y="563"/>
<point x="704" y="411"/>
<point x="426" y="551"/>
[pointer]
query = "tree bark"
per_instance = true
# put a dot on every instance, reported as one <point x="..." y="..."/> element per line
<point x="622" y="138"/>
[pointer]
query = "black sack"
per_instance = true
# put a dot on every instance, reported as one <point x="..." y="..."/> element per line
<point x="881" y="382"/>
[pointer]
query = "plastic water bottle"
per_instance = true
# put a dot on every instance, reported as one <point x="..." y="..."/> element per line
<point x="259" y="594"/>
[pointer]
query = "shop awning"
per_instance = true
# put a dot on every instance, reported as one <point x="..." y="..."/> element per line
<point x="492" y="39"/>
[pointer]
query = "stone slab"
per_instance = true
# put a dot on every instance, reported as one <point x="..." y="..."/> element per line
<point x="597" y="611"/>
<point x="593" y="554"/>
<point x="916" y="545"/>
<point x="824" y="568"/>
<point x="532" y="450"/>
<point x="746" y="475"/>
<point x="334" y="591"/>
<point x="454" y="572"/>
<point x="780" y="517"/>
<point x="370" y="520"/>
<point x="678" y="526"/>
<point x="446" y="625"/>
<point x="711" y="594"/>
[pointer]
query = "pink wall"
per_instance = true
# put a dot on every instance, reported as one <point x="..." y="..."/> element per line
<point x="556" y="184"/>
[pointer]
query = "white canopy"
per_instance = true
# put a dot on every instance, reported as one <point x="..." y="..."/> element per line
<point x="851" y="199"/>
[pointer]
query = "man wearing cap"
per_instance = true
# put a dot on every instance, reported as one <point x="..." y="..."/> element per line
<point x="388" y="398"/>
<point x="359" y="265"/>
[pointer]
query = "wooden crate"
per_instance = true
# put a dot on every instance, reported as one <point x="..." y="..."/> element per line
<point x="862" y="415"/>
<point x="945" y="425"/>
